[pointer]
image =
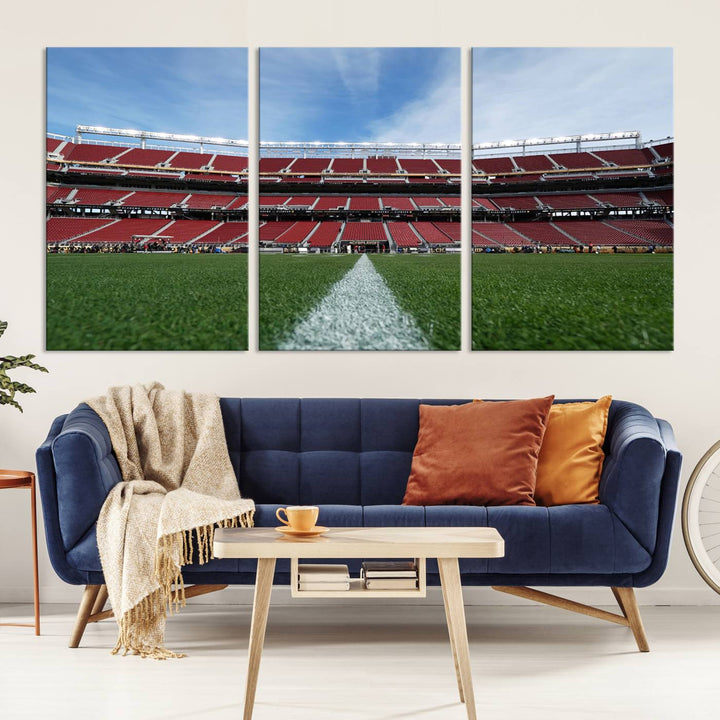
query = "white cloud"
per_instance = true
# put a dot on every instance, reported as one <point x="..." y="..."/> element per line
<point x="360" y="94"/>
<point x="531" y="92"/>
<point x="359" y="71"/>
<point x="187" y="90"/>
<point x="295" y="87"/>
<point x="433" y="117"/>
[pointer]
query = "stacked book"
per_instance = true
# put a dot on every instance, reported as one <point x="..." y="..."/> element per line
<point x="323" y="577"/>
<point x="389" y="575"/>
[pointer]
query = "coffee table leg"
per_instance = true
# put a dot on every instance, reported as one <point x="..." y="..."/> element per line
<point x="455" y="609"/>
<point x="451" y="633"/>
<point x="261" y="603"/>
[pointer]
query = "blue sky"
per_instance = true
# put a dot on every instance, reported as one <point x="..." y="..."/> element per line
<point x="363" y="94"/>
<point x="360" y="94"/>
<point x="198" y="91"/>
<point x="537" y="92"/>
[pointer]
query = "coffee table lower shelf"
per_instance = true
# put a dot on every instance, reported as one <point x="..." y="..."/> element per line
<point x="357" y="589"/>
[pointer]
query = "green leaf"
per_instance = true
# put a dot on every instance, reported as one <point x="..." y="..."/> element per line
<point x="8" y="386"/>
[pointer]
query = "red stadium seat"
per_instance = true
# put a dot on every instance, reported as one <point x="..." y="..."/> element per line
<point x="382" y="165"/>
<point x="364" y="202"/>
<point x="432" y="233"/>
<point x="225" y="233"/>
<point x="348" y="165"/>
<point x="296" y="233"/>
<point x="59" y="229"/>
<point x="403" y="235"/>
<point x="230" y="163"/>
<point x="309" y="165"/>
<point x="597" y="233"/>
<point x="331" y="202"/>
<point x="499" y="234"/>
<point x="543" y="233"/>
<point x="356" y="231"/>
<point x="398" y="203"/>
<point x="190" y="160"/>
<point x="325" y="235"/>
<point x="143" y="156"/>
<point x="534" y="162"/>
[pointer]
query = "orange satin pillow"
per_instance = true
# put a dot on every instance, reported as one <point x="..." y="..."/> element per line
<point x="477" y="453"/>
<point x="571" y="457"/>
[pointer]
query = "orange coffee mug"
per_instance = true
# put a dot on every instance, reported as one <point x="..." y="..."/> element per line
<point x="299" y="517"/>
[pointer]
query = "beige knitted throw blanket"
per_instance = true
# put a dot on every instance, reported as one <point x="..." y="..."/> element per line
<point x="178" y="484"/>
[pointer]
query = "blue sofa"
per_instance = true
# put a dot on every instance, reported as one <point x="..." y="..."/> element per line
<point x="352" y="458"/>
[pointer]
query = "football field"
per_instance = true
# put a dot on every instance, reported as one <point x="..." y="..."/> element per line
<point x="572" y="302"/>
<point x="519" y="302"/>
<point x="360" y="302"/>
<point x="147" y="302"/>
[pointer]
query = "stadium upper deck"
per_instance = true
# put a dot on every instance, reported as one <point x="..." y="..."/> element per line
<point x="327" y="196"/>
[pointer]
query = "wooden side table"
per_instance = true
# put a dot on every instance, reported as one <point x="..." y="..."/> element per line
<point x="25" y="479"/>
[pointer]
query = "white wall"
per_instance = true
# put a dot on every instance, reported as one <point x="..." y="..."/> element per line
<point x="682" y="386"/>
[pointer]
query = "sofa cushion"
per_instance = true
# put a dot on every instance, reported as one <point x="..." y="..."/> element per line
<point x="322" y="451"/>
<point x="478" y="453"/>
<point x="563" y="539"/>
<point x="569" y="539"/>
<point x="571" y="456"/>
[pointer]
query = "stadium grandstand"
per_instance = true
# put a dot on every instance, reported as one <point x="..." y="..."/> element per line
<point x="156" y="191"/>
<point x="605" y="192"/>
<point x="150" y="191"/>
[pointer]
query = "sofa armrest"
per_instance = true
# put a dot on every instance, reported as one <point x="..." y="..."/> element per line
<point x="85" y="471"/>
<point x="668" y="507"/>
<point x="635" y="458"/>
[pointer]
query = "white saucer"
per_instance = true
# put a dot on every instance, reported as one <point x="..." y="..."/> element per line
<point x="312" y="532"/>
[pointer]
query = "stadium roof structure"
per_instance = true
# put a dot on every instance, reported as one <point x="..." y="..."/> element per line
<point x="144" y="135"/>
<point x="361" y="149"/>
<point x="281" y="149"/>
<point x="305" y="149"/>
<point x="561" y="140"/>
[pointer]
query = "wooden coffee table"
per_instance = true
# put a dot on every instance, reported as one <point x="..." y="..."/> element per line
<point x="444" y="544"/>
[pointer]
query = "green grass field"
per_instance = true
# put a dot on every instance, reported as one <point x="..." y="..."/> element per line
<point x="428" y="288"/>
<point x="572" y="302"/>
<point x="147" y="302"/>
<point x="290" y="287"/>
<point x="520" y="302"/>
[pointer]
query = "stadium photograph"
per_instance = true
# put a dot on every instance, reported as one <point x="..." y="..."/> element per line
<point x="572" y="217"/>
<point x="359" y="199"/>
<point x="146" y="230"/>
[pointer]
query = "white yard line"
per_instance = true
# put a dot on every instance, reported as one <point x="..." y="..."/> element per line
<point x="359" y="313"/>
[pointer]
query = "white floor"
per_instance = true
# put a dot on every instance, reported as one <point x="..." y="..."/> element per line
<point x="387" y="662"/>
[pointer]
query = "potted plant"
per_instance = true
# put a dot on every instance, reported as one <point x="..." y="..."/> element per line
<point x="8" y="386"/>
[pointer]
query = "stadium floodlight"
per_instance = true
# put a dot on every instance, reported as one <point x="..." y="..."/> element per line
<point x="358" y="149"/>
<point x="559" y="140"/>
<point x="150" y="135"/>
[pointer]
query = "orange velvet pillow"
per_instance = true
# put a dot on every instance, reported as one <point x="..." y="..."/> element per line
<point x="477" y="453"/>
<point x="571" y="457"/>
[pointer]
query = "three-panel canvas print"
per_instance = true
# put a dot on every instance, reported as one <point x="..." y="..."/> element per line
<point x="362" y="225"/>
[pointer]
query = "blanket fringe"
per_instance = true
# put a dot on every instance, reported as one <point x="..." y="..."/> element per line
<point x="142" y="621"/>
<point x="169" y="574"/>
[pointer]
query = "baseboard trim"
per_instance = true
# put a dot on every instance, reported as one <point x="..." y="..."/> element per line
<point x="241" y="595"/>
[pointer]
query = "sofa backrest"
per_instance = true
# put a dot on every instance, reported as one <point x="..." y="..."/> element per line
<point x="322" y="450"/>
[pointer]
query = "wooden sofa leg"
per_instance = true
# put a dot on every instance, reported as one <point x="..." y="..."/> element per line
<point x="625" y="597"/>
<point x="102" y="598"/>
<point x="95" y="597"/>
<point x="99" y="613"/>
<point x="628" y="604"/>
<point x="85" y="610"/>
